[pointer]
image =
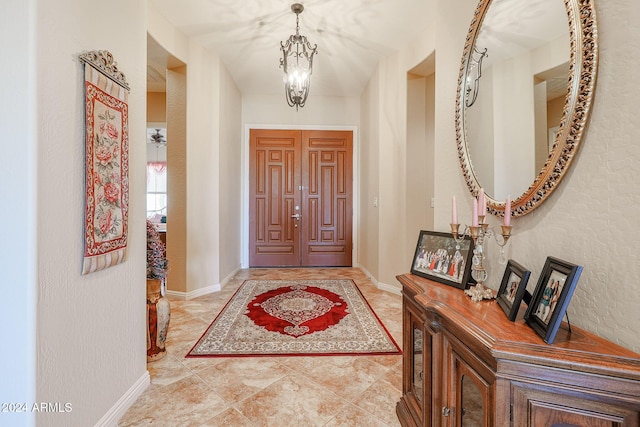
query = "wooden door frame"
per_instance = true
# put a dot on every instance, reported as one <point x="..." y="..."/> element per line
<point x="245" y="184"/>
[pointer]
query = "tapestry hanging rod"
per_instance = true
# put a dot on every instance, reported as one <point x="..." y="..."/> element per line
<point x="102" y="60"/>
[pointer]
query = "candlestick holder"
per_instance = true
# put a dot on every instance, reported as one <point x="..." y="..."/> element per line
<point x="479" y="233"/>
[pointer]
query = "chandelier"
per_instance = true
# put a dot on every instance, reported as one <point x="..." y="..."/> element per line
<point x="297" y="63"/>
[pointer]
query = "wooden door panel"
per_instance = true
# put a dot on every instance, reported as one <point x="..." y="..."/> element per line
<point x="327" y="198"/>
<point x="274" y="193"/>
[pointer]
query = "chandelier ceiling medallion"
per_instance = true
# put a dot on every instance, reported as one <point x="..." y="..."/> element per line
<point x="297" y="63"/>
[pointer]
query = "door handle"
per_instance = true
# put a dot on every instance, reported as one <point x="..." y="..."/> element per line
<point x="296" y="216"/>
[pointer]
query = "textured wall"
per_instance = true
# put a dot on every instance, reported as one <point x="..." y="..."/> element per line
<point x="319" y="110"/>
<point x="369" y="182"/>
<point x="591" y="219"/>
<point x="386" y="249"/>
<point x="209" y="120"/>
<point x="90" y="329"/>
<point x="230" y="174"/>
<point x="18" y="243"/>
<point x="203" y="158"/>
<point x="177" y="179"/>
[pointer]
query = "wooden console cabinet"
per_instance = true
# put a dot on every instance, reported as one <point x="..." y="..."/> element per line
<point x="466" y="364"/>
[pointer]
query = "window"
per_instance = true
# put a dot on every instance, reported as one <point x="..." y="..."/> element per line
<point x="156" y="188"/>
<point x="156" y="171"/>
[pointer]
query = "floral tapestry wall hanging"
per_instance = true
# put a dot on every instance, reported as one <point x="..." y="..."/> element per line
<point x="106" y="162"/>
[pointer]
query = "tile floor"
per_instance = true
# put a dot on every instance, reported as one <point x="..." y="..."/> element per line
<point x="270" y="391"/>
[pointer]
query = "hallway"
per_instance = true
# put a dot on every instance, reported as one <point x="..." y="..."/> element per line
<point x="271" y="391"/>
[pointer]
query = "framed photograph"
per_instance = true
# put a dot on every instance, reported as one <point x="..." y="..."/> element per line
<point x="512" y="289"/>
<point x="551" y="297"/>
<point x="442" y="258"/>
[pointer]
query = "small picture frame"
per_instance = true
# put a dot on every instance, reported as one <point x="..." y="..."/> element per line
<point x="442" y="258"/>
<point x="551" y="297"/>
<point x="512" y="289"/>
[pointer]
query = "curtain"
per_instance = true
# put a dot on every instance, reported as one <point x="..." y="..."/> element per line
<point x="155" y="172"/>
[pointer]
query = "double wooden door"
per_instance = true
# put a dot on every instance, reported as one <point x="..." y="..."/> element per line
<point x="301" y="204"/>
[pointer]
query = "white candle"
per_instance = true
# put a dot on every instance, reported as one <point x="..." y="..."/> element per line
<point x="474" y="215"/>
<point x="482" y="202"/>
<point x="507" y="212"/>
<point x="454" y="211"/>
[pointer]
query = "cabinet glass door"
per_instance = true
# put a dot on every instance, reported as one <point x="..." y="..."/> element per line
<point x="469" y="398"/>
<point x="472" y="412"/>
<point x="417" y="364"/>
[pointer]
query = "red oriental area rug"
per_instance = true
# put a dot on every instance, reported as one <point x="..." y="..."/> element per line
<point x="289" y="318"/>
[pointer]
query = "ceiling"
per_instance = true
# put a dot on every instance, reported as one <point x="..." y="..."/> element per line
<point x="512" y="28"/>
<point x="352" y="36"/>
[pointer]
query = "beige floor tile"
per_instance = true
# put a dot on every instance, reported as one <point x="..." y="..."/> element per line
<point x="186" y="402"/>
<point x="352" y="416"/>
<point x="271" y="391"/>
<point x="237" y="379"/>
<point x="380" y="400"/>
<point x="196" y="364"/>
<point x="167" y="370"/>
<point x="292" y="401"/>
<point x="229" y="418"/>
<point x="394" y="375"/>
<point x="346" y="376"/>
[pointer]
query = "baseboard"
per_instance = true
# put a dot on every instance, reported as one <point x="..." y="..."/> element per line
<point x="230" y="276"/>
<point x="202" y="291"/>
<point x="369" y="275"/>
<point x="389" y="288"/>
<point x="380" y="285"/>
<point x="194" y="294"/>
<point x="117" y="411"/>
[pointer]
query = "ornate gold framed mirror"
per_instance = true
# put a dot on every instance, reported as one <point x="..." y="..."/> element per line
<point x="525" y="90"/>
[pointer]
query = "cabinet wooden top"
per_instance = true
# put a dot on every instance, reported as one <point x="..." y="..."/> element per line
<point x="485" y="327"/>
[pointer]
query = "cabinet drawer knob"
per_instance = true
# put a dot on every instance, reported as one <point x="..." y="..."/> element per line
<point x="446" y="411"/>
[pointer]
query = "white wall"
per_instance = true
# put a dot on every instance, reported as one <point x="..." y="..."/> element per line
<point x="369" y="221"/>
<point x="369" y="155"/>
<point x="391" y="168"/>
<point x="90" y="329"/>
<point x="213" y="158"/>
<point x="230" y="175"/>
<point x="386" y="117"/>
<point x="513" y="127"/>
<point x="479" y="120"/>
<point x="203" y="165"/>
<point x="591" y="218"/>
<point x="18" y="285"/>
<point x="419" y="168"/>
<point x="319" y="111"/>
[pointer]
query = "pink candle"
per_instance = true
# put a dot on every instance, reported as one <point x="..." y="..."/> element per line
<point x="482" y="203"/>
<point x="454" y="211"/>
<point x="474" y="215"/>
<point x="507" y="212"/>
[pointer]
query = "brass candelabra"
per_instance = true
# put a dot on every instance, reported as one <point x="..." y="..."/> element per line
<point x="479" y="233"/>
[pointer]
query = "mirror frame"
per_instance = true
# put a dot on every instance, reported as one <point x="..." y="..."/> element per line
<point x="583" y="65"/>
